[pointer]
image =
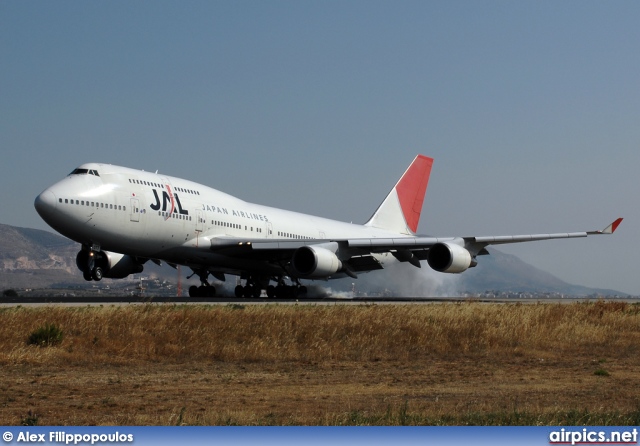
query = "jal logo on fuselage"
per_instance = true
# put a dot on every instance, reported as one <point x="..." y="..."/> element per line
<point x="170" y="202"/>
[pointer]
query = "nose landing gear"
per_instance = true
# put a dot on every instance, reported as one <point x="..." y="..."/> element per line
<point x="88" y="263"/>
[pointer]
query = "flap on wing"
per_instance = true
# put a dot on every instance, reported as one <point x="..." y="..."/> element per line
<point x="387" y="244"/>
<point x="364" y="263"/>
<point x="368" y="244"/>
<point x="497" y="240"/>
<point x="218" y="243"/>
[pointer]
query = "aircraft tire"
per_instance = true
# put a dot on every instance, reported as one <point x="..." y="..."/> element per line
<point x="193" y="291"/>
<point x="271" y="291"/>
<point x="87" y="275"/>
<point x="97" y="273"/>
<point x="206" y="291"/>
<point x="248" y="291"/>
<point x="239" y="291"/>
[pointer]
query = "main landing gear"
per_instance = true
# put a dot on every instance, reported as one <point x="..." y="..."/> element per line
<point x="252" y="289"/>
<point x="205" y="289"/>
<point x="281" y="291"/>
<point x="202" y="291"/>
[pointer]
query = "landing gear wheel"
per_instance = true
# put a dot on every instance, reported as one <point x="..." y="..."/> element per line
<point x="271" y="291"/>
<point x="204" y="290"/>
<point x="97" y="273"/>
<point x="87" y="275"/>
<point x="239" y="291"/>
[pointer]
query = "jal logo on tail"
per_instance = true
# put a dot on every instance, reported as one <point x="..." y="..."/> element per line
<point x="170" y="202"/>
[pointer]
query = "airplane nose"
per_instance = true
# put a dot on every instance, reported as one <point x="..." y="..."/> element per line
<point x="45" y="203"/>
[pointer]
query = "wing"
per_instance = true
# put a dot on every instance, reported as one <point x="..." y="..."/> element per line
<point x="329" y="258"/>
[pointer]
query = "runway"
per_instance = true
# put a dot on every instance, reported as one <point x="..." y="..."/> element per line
<point x="107" y="300"/>
<point x="225" y="300"/>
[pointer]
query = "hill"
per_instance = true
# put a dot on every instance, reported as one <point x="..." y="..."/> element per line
<point x="506" y="273"/>
<point x="31" y="258"/>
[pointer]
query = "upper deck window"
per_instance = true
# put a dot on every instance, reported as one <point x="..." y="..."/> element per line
<point x="85" y="172"/>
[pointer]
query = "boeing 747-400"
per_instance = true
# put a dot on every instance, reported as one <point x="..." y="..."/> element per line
<point x="124" y="218"/>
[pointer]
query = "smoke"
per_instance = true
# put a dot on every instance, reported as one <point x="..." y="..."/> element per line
<point x="396" y="280"/>
<point x="405" y="280"/>
<point x="316" y="291"/>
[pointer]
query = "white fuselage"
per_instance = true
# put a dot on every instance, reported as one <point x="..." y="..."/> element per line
<point x="161" y="217"/>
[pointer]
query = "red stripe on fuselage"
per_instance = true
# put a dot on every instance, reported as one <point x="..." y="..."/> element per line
<point x="173" y="203"/>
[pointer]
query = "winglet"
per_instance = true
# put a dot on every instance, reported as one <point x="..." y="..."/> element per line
<point x="609" y="229"/>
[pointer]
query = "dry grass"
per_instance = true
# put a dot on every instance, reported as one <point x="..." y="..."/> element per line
<point x="467" y="363"/>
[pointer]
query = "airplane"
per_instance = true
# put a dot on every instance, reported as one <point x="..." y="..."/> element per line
<point x="124" y="218"/>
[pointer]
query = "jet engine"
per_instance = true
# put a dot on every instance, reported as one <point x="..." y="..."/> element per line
<point x="449" y="258"/>
<point x="315" y="262"/>
<point x="107" y="264"/>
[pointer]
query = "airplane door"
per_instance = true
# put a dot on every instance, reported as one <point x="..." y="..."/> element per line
<point x="269" y="229"/>
<point x="135" y="209"/>
<point x="200" y="219"/>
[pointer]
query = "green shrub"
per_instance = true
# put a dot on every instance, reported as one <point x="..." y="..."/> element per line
<point x="30" y="420"/>
<point x="46" y="335"/>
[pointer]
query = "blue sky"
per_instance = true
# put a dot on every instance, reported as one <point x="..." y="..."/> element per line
<point x="530" y="109"/>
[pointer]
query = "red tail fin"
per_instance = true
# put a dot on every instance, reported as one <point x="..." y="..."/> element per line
<point x="400" y="211"/>
<point x="412" y="188"/>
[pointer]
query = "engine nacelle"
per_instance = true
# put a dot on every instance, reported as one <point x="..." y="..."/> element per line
<point x="120" y="266"/>
<point x="315" y="262"/>
<point x="113" y="264"/>
<point x="448" y="258"/>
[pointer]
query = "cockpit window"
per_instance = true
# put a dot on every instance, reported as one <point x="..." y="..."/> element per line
<point x="85" y="172"/>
